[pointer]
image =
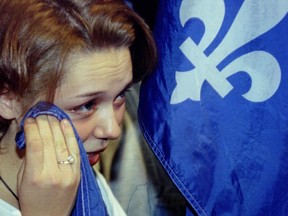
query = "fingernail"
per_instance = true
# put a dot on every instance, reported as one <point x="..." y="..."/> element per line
<point x="29" y="120"/>
<point x="65" y="123"/>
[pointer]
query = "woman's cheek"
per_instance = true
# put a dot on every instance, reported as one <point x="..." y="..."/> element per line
<point x="83" y="129"/>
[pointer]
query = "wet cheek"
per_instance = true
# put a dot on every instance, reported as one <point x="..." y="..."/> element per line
<point x="83" y="130"/>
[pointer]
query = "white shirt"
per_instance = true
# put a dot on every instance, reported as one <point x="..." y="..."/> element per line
<point x="8" y="210"/>
<point x="113" y="206"/>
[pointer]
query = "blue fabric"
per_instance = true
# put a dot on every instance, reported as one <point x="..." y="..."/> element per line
<point x="215" y="112"/>
<point x="89" y="200"/>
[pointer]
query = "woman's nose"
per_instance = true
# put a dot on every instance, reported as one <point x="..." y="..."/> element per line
<point x="107" y="126"/>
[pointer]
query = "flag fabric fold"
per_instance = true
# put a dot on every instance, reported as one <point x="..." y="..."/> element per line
<point x="89" y="199"/>
<point x="215" y="112"/>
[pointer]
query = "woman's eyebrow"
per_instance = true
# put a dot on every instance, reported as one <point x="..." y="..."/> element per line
<point x="89" y="94"/>
<point x="96" y="93"/>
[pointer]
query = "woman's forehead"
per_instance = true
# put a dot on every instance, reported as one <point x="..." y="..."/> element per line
<point x="97" y="71"/>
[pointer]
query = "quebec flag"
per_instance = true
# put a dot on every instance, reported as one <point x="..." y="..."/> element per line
<point x="215" y="112"/>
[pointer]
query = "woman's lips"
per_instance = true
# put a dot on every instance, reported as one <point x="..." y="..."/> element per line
<point x="93" y="157"/>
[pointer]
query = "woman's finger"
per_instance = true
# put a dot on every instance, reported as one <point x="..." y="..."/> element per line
<point x="49" y="153"/>
<point x="34" y="147"/>
<point x="71" y="144"/>
<point x="62" y="151"/>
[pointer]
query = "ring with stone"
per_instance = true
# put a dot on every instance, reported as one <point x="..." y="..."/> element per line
<point x="70" y="160"/>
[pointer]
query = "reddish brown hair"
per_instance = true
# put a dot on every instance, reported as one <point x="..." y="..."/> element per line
<point x="37" y="36"/>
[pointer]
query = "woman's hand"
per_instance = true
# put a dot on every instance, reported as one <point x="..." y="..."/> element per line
<point x="46" y="187"/>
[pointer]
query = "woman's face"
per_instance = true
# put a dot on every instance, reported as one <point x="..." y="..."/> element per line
<point x="92" y="93"/>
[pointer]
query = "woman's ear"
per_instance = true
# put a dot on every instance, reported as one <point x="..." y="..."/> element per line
<point x="9" y="106"/>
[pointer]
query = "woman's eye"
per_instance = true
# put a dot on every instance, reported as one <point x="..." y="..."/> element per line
<point x="85" y="109"/>
<point x="120" y="99"/>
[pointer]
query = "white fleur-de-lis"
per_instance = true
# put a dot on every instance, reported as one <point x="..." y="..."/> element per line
<point x="254" y="18"/>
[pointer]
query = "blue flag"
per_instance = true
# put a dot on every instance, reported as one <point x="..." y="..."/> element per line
<point x="215" y="112"/>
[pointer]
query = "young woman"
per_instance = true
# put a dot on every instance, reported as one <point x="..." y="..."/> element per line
<point x="82" y="56"/>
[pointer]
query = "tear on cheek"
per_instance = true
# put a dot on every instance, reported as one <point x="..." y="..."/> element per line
<point x="83" y="132"/>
